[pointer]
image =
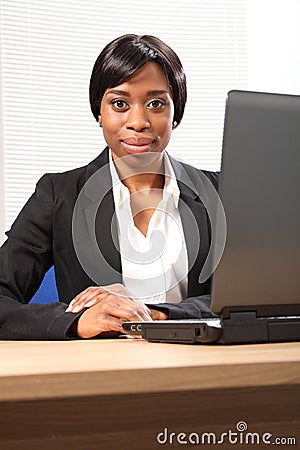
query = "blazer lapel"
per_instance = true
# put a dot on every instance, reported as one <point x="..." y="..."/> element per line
<point x="196" y="227"/>
<point x="99" y="237"/>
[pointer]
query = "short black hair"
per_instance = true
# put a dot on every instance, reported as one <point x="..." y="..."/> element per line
<point x="127" y="54"/>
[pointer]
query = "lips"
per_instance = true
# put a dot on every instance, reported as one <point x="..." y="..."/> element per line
<point x="137" y="145"/>
<point x="138" y="141"/>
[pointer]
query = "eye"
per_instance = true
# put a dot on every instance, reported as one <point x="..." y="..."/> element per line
<point x="156" y="104"/>
<point x="119" y="105"/>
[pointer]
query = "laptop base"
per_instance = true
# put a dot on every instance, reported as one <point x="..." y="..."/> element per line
<point x="176" y="331"/>
<point x="246" y="327"/>
<point x="239" y="328"/>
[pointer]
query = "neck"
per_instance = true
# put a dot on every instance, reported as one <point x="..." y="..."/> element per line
<point x="145" y="181"/>
<point x="138" y="172"/>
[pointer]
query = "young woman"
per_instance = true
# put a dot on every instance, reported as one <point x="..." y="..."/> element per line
<point x="128" y="234"/>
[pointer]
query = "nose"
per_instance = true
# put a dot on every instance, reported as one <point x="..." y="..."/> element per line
<point x="137" y="119"/>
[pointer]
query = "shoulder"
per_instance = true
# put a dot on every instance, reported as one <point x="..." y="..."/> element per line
<point x="197" y="176"/>
<point x="196" y="173"/>
<point x="69" y="182"/>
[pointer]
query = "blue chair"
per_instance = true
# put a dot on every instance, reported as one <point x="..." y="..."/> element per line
<point x="47" y="292"/>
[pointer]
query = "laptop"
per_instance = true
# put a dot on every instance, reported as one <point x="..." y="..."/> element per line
<point x="256" y="285"/>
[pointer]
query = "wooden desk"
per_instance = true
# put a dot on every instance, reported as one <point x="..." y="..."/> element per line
<point x="111" y="394"/>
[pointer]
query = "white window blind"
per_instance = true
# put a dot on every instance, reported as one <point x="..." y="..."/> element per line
<point x="48" y="49"/>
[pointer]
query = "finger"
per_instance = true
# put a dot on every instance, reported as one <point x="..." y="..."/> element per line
<point x="76" y="308"/>
<point x="137" y="308"/>
<point x="127" y="308"/>
<point x="111" y="323"/>
<point x="157" y="315"/>
<point x="87" y="298"/>
<point x="92" y="323"/>
<point x="117" y="289"/>
<point x="78" y="299"/>
<point x="120" y="307"/>
<point x="139" y="315"/>
<point x="88" y="301"/>
<point x="144" y="313"/>
<point x="141" y="309"/>
<point x="121" y="310"/>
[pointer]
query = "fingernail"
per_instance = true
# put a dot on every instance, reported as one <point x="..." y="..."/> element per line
<point x="76" y="309"/>
<point x="90" y="303"/>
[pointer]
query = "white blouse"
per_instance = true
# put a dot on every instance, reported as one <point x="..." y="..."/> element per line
<point x="155" y="266"/>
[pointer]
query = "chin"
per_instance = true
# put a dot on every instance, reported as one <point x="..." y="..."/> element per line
<point x="146" y="160"/>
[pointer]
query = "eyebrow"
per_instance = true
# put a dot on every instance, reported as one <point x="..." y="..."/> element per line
<point x="149" y="93"/>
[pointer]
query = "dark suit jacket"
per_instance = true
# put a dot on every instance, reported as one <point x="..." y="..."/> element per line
<point x="42" y="236"/>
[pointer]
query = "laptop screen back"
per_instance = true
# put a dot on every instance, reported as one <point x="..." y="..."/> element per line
<point x="260" y="192"/>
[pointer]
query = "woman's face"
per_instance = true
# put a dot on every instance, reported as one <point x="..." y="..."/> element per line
<point x="137" y="115"/>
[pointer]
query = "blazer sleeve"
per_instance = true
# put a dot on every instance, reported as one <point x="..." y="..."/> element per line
<point x="189" y="308"/>
<point x="25" y="257"/>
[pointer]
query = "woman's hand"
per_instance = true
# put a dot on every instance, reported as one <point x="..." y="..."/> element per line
<point x="107" y="311"/>
<point x="93" y="295"/>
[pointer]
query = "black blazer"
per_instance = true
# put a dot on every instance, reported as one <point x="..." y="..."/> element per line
<point x="41" y="237"/>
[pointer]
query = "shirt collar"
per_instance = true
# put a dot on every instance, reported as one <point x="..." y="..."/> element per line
<point x="171" y="185"/>
<point x="121" y="192"/>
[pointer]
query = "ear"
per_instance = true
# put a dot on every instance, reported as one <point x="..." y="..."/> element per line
<point x="99" y="120"/>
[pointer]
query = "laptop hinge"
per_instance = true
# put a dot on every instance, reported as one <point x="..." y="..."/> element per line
<point x="244" y="326"/>
<point x="241" y="317"/>
<point x="247" y="326"/>
<point x="292" y="309"/>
